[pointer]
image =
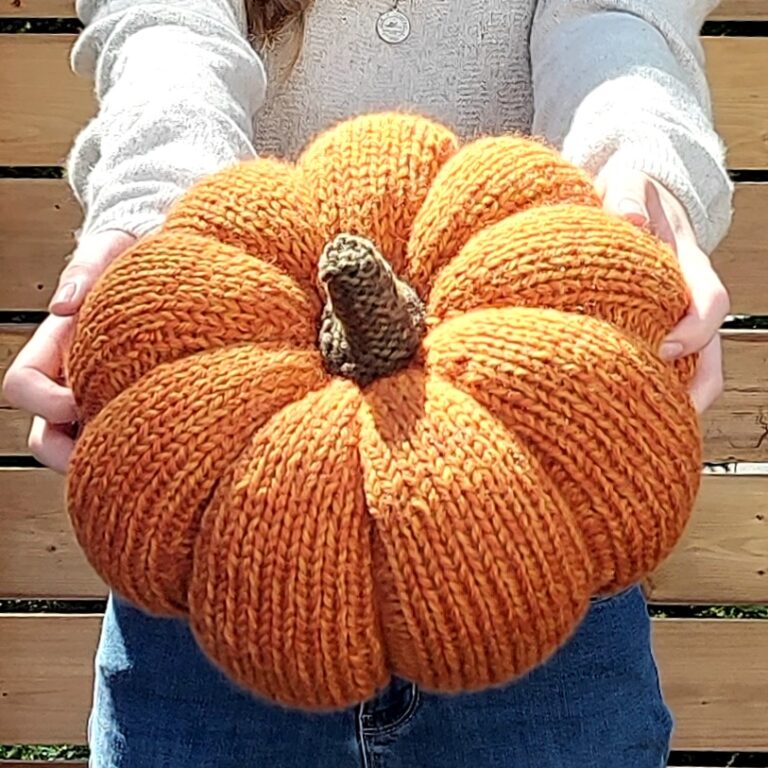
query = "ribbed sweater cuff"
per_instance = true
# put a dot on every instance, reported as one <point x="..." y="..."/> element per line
<point x="707" y="199"/>
<point x="138" y="217"/>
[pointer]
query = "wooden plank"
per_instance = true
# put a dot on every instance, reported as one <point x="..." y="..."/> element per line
<point x="741" y="10"/>
<point x="714" y="674"/>
<point x="14" y="430"/>
<point x="28" y="9"/>
<point x="736" y="426"/>
<point x="740" y="259"/>
<point x="14" y="425"/>
<point x="12" y="339"/>
<point x="35" y="240"/>
<point x="723" y="555"/>
<point x="39" y="556"/>
<point x="736" y="68"/>
<point x="44" y="103"/>
<point x="45" y="675"/>
<point x="722" y="558"/>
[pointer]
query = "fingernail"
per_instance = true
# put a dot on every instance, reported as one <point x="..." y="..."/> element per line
<point x="65" y="293"/>
<point x="634" y="210"/>
<point x="670" y="350"/>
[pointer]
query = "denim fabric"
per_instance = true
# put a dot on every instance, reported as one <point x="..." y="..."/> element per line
<point x="595" y="704"/>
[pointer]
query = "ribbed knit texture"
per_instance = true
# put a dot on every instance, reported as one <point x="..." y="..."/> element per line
<point x="447" y="522"/>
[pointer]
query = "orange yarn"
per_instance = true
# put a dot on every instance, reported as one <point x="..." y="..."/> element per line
<point x="447" y="522"/>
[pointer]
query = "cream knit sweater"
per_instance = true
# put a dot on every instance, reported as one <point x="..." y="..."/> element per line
<point x="182" y="92"/>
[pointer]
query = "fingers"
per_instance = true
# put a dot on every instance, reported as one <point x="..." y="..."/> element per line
<point x="30" y="383"/>
<point x="667" y="217"/>
<point x="626" y="196"/>
<point x="637" y="197"/>
<point x="93" y="255"/>
<point x="709" y="306"/>
<point x="50" y="445"/>
<point x="708" y="383"/>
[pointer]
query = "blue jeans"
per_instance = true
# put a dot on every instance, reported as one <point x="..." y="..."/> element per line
<point x="595" y="704"/>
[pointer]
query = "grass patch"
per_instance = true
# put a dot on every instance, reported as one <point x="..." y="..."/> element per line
<point x="746" y="322"/>
<point x="40" y="26"/>
<point x="52" y="606"/>
<point x="708" y="611"/>
<point x="31" y="172"/>
<point x="43" y="752"/>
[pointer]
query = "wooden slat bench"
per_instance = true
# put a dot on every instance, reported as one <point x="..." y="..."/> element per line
<point x="740" y="10"/>
<point x="714" y="671"/>
<point x="45" y="104"/>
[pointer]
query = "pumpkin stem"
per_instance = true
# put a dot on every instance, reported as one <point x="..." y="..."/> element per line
<point x="372" y="322"/>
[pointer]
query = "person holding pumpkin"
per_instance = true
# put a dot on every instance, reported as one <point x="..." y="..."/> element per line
<point x="618" y="86"/>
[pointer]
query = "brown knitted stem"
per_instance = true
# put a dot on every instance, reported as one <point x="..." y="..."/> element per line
<point x="372" y="322"/>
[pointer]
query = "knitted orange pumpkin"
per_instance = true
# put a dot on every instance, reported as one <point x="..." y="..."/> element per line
<point x="393" y="409"/>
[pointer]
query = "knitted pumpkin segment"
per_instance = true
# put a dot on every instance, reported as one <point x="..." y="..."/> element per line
<point x="567" y="257"/>
<point x="283" y="591"/>
<point x="601" y="410"/>
<point x="474" y="541"/>
<point x="261" y="207"/>
<point x="174" y="295"/>
<point x="369" y="176"/>
<point x="144" y="468"/>
<point x="487" y="181"/>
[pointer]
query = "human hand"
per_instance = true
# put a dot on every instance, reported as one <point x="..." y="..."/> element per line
<point x="649" y="204"/>
<point x="34" y="380"/>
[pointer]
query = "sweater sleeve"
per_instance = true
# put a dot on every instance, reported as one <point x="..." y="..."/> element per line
<point x="177" y="85"/>
<point x="622" y="82"/>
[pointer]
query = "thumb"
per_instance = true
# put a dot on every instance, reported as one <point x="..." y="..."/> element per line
<point x="93" y="255"/>
<point x="625" y="195"/>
